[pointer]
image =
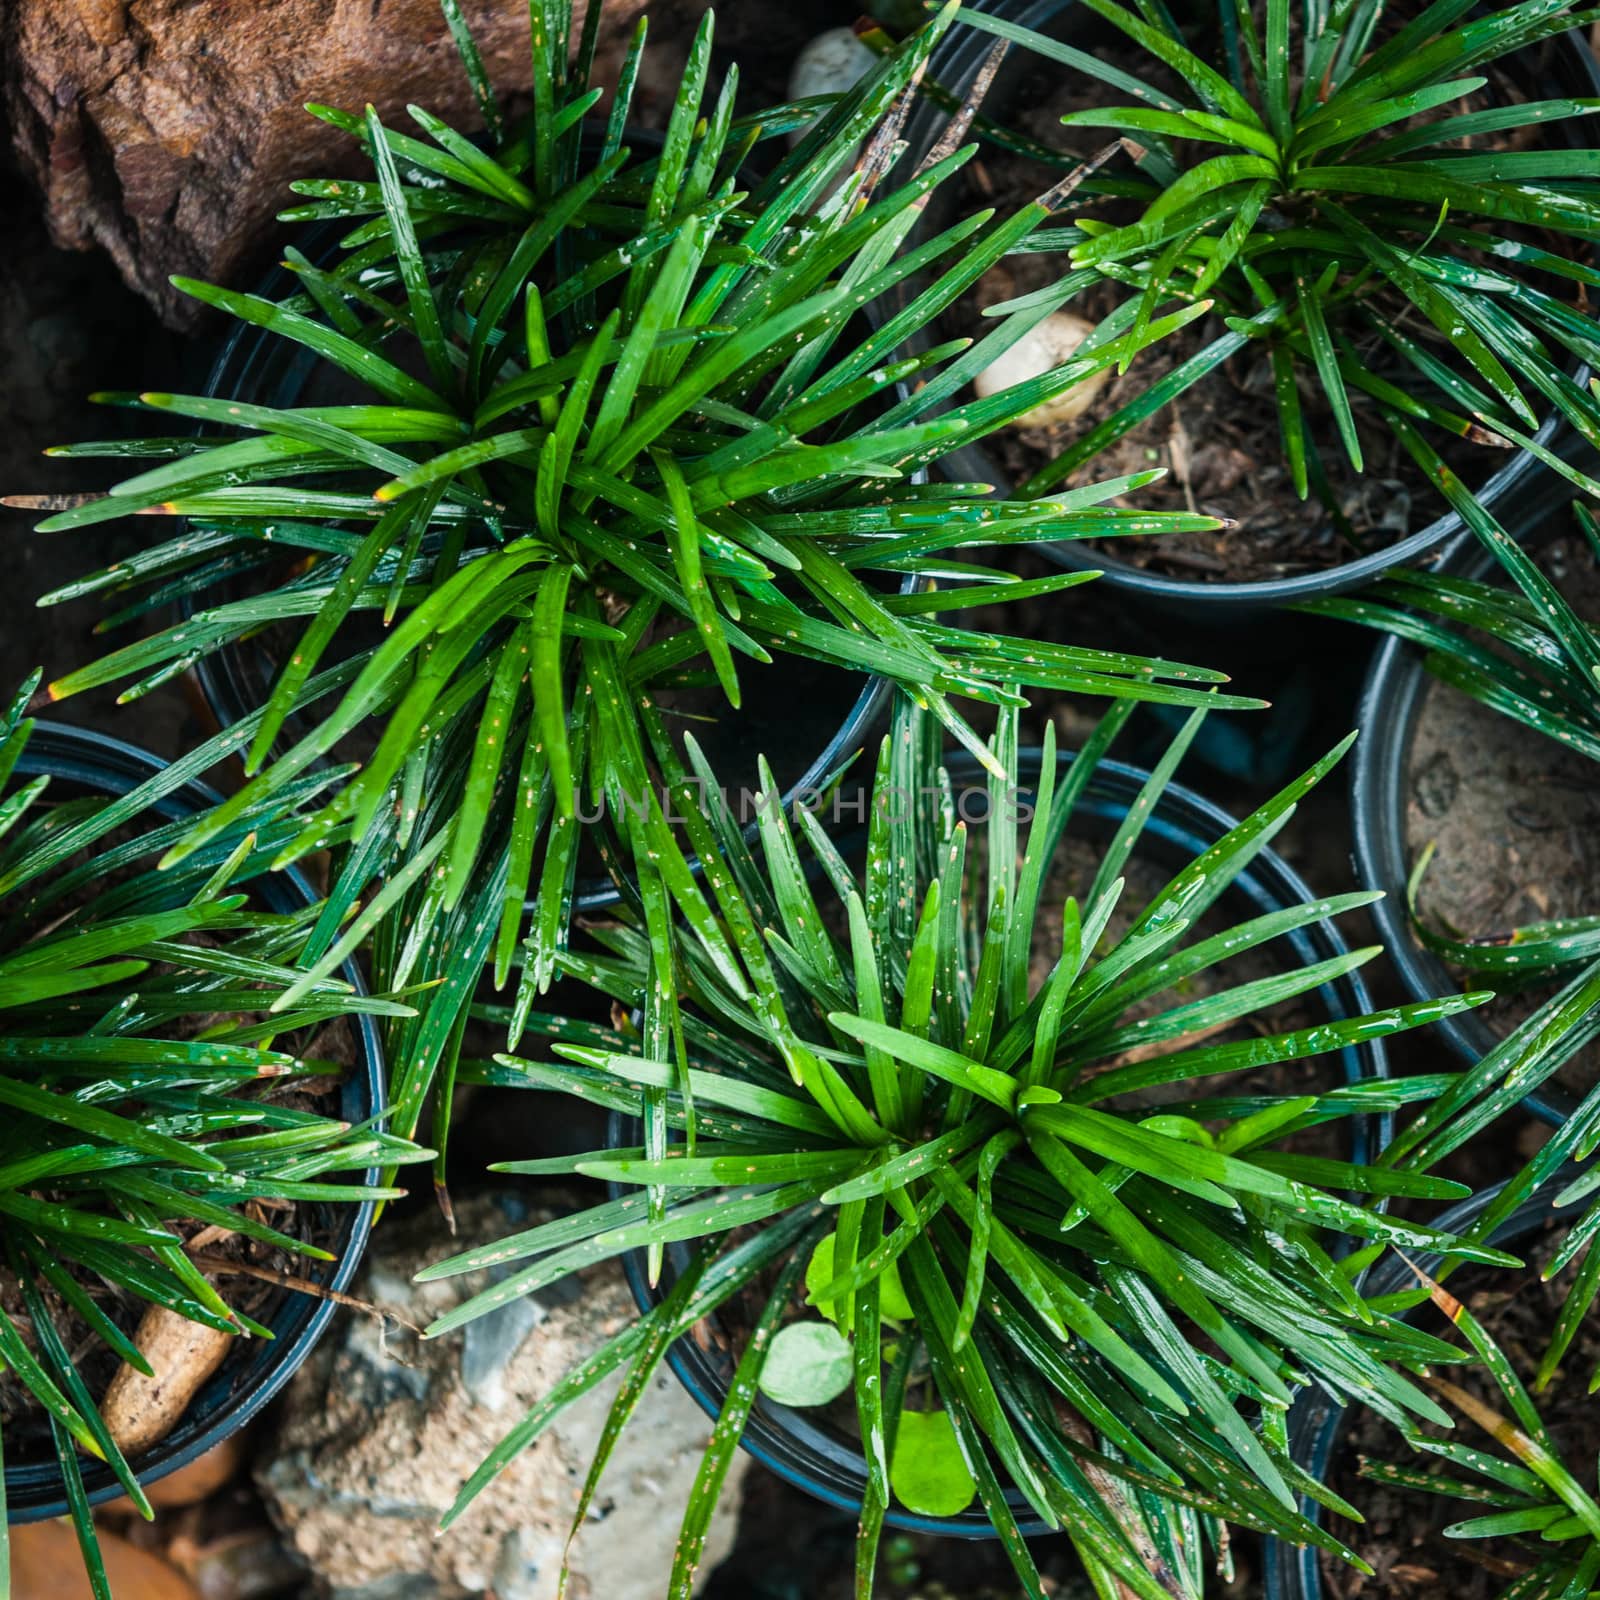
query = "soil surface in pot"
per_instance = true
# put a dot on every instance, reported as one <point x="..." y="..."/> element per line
<point x="1402" y="1536"/>
<point x="1513" y="814"/>
<point x="1221" y="448"/>
<point x="1220" y="442"/>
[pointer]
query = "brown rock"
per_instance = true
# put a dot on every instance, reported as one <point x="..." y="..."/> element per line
<point x="190" y="1484"/>
<point x="46" y="1565"/>
<point x="167" y="132"/>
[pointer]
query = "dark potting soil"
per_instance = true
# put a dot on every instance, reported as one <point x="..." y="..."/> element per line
<point x="1220" y="442"/>
<point x="1221" y="448"/>
<point x="1402" y="1535"/>
<point x="1512" y="814"/>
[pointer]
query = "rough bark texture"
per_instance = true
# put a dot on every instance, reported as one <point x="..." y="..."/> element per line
<point x="166" y="131"/>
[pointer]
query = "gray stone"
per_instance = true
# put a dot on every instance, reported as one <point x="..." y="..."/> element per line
<point x="380" y="1429"/>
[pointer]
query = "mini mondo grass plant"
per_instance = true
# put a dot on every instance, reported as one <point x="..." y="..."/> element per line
<point x="1038" y="1237"/>
<point x="1352" y="185"/>
<point x="627" y="429"/>
<point x="148" y="1090"/>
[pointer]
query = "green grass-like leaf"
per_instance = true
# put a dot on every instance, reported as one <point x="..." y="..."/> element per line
<point x="141" y="1085"/>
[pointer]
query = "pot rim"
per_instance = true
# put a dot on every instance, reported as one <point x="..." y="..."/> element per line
<point x="254" y="1373"/>
<point x="783" y="1439"/>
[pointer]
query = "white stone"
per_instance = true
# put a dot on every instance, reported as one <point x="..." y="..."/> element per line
<point x="1048" y="345"/>
<point x="380" y="1429"/>
<point x="830" y="64"/>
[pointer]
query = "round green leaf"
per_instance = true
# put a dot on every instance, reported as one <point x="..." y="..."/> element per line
<point x="928" y="1473"/>
<point x="808" y="1365"/>
<point x="892" y="1302"/>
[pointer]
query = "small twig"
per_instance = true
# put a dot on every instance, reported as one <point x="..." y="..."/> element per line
<point x="215" y="1234"/>
<point x="287" y="1280"/>
<point x="1156" y="1047"/>
<point x="40" y="702"/>
<point x="1178" y="449"/>
<point x="1196" y="560"/>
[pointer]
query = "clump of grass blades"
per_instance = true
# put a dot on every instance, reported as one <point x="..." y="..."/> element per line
<point x="1526" y="654"/>
<point x="646" y="439"/>
<point x="1326" y="183"/>
<point x="656" y="439"/>
<point x="1521" y="1487"/>
<point x="135" y="1046"/>
<point x="1101" y="1293"/>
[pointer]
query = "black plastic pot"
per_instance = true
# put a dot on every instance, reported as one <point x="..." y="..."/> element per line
<point x="84" y="763"/>
<point x="260" y="367"/>
<point x="955" y="64"/>
<point x="1391" y="706"/>
<point x="828" y="1465"/>
<point x="1294" y="1572"/>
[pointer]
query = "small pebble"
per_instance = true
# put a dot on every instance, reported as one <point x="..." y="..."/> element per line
<point x="830" y="64"/>
<point x="1042" y="349"/>
<point x="1435" y="785"/>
